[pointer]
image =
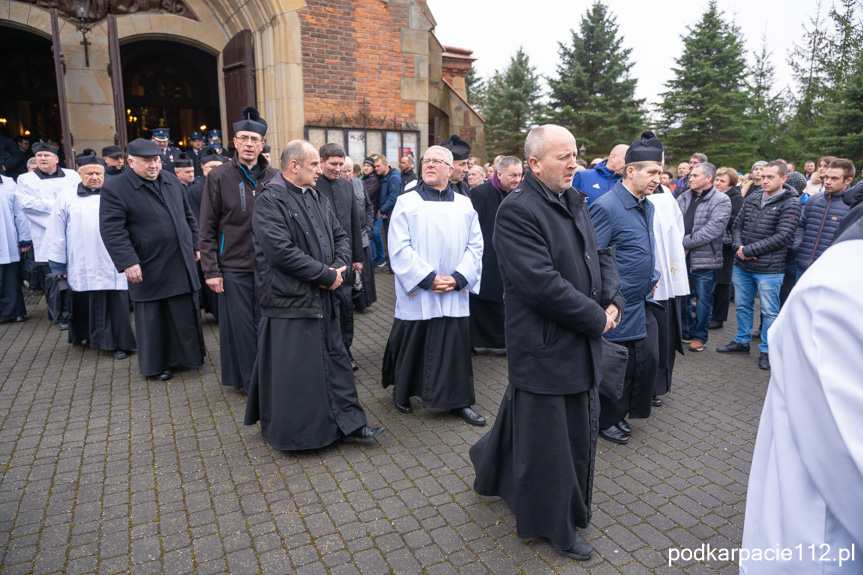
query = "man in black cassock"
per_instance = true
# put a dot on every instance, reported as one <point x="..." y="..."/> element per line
<point x="486" y="308"/>
<point x="539" y="457"/>
<point x="227" y="255"/>
<point x="341" y="196"/>
<point x="151" y="235"/>
<point x="115" y="160"/>
<point x="302" y="389"/>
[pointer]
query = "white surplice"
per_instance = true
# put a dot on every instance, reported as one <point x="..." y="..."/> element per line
<point x="668" y="229"/>
<point x="73" y="238"/>
<point x="37" y="198"/>
<point x="440" y="237"/>
<point x="14" y="227"/>
<point x="806" y="480"/>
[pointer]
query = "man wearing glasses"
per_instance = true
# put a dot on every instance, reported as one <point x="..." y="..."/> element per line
<point x="435" y="247"/>
<point x="227" y="255"/>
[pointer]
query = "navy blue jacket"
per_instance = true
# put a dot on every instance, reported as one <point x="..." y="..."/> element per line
<point x="391" y="188"/>
<point x="619" y="219"/>
<point x="595" y="182"/>
<point x="819" y="221"/>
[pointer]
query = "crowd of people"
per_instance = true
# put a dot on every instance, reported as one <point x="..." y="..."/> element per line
<point x="552" y="262"/>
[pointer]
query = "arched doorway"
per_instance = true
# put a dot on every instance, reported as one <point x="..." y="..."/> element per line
<point x="28" y="100"/>
<point x="169" y="85"/>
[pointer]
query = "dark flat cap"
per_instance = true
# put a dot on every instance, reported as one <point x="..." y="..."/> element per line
<point x="83" y="160"/>
<point x="41" y="146"/>
<point x="183" y="161"/>
<point x="251" y="122"/>
<point x="266" y="149"/>
<point x="112" y="152"/>
<point x="648" y="148"/>
<point x="459" y="148"/>
<point x="144" y="148"/>
<point x="211" y="155"/>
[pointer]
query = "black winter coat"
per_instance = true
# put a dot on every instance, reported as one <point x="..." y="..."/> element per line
<point x="289" y="267"/>
<point x="486" y="200"/>
<point x="724" y="274"/>
<point x="767" y="232"/>
<point x="160" y="233"/>
<point x="340" y="193"/>
<point x="552" y="283"/>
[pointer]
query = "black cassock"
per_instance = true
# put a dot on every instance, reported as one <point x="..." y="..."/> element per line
<point x="486" y="309"/>
<point x="102" y="318"/>
<point x="151" y="223"/>
<point x="209" y="299"/>
<point x="302" y="388"/>
<point x="11" y="297"/>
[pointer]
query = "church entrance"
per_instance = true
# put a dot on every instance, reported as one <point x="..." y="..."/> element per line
<point x="28" y="100"/>
<point x="169" y="85"/>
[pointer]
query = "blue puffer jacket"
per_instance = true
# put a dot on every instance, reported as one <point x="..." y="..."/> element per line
<point x="818" y="224"/>
<point x="595" y="182"/>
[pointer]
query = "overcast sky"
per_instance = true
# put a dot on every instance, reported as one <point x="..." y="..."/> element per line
<point x="494" y="31"/>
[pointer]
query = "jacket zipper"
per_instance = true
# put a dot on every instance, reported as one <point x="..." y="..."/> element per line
<point x="243" y="196"/>
<point x="818" y="237"/>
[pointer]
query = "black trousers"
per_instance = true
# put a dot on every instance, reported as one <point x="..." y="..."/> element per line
<point x="721" y="301"/>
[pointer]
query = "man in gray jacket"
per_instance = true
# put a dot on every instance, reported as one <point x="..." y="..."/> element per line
<point x="705" y="216"/>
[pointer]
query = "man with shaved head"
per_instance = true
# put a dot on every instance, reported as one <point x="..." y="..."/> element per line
<point x="600" y="179"/>
<point x="539" y="457"/>
<point x="302" y="388"/>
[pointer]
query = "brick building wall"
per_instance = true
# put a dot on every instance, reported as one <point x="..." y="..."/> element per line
<point x="336" y="36"/>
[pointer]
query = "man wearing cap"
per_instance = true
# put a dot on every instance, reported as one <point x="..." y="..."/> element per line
<point x="169" y="154"/>
<point x="184" y="169"/>
<point x="460" y="154"/>
<point x="214" y="141"/>
<point x="302" y="390"/>
<point x="341" y="196"/>
<point x="37" y="191"/>
<point x="151" y="235"/>
<point x="75" y="251"/>
<point x="539" y="456"/>
<point x="115" y="160"/>
<point x="195" y="151"/>
<point x="227" y="253"/>
<point x="435" y="246"/>
<point x="14" y="240"/>
<point x="623" y="217"/>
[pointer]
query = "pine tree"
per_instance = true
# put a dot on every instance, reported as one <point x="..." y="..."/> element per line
<point x="510" y="106"/>
<point x="593" y="94"/>
<point x="705" y="108"/>
<point x="475" y="87"/>
<point x="768" y="110"/>
<point x="841" y="130"/>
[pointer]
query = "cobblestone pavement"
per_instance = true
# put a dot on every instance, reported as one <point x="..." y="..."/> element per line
<point x="102" y="471"/>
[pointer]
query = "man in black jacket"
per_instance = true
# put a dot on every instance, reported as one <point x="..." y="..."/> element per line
<point x="341" y="196"/>
<point x="406" y="165"/>
<point x="539" y="457"/>
<point x="486" y="308"/>
<point x="152" y="236"/>
<point x="302" y="389"/>
<point x="762" y="232"/>
<point x="227" y="255"/>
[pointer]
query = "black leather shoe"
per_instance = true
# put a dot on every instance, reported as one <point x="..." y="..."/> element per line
<point x="656" y="402"/>
<point x="403" y="408"/>
<point x="165" y="375"/>
<point x="715" y="324"/>
<point x="614" y="434"/>
<point x="364" y="432"/>
<point x="354" y="365"/>
<point x="63" y="325"/>
<point x="624" y="427"/>
<point x="469" y="415"/>
<point x="764" y="361"/>
<point x="734" y="347"/>
<point x="580" y="550"/>
<point x="20" y="318"/>
<point x="119" y="354"/>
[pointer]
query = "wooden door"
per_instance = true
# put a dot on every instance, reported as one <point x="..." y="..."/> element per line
<point x="238" y="66"/>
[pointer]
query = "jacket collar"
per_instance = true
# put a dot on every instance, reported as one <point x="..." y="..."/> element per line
<point x="626" y="197"/>
<point x="84" y="191"/>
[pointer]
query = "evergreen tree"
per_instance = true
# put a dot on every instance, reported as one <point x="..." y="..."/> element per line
<point x="841" y="131"/>
<point x="511" y="106"/>
<point x="807" y="61"/>
<point x="768" y="110"/>
<point x="705" y="108"/>
<point x="475" y="89"/>
<point x="593" y="94"/>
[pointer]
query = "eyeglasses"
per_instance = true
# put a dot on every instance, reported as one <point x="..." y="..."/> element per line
<point x="252" y="139"/>
<point x="435" y="161"/>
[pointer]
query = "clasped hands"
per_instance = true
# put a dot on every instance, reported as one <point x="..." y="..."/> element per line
<point x="443" y="284"/>
<point x="612" y="317"/>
